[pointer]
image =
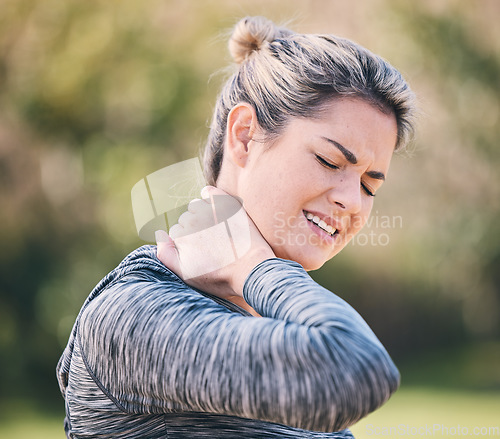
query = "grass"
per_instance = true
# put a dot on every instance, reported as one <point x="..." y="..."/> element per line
<point x="407" y="415"/>
<point x="437" y="413"/>
<point x="22" y="419"/>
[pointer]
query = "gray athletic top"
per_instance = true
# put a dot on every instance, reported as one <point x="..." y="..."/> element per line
<point x="151" y="357"/>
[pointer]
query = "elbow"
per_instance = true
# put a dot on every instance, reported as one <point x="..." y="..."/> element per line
<point x="395" y="379"/>
<point x="385" y="382"/>
<point x="372" y="385"/>
<point x="388" y="380"/>
<point x="365" y="385"/>
<point x="359" y="378"/>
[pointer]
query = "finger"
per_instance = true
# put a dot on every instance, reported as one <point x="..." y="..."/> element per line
<point x="212" y="194"/>
<point x="208" y="191"/>
<point x="185" y="219"/>
<point x="193" y="205"/>
<point x="204" y="192"/>
<point x="176" y="230"/>
<point x="161" y="236"/>
<point x="223" y="204"/>
<point x="207" y="194"/>
<point x="220" y="201"/>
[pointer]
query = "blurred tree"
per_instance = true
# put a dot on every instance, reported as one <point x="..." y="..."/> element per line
<point x="96" y="95"/>
<point x="461" y="67"/>
<point x="442" y="267"/>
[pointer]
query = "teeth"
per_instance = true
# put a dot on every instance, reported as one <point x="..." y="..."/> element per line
<point x="320" y="223"/>
<point x="326" y="227"/>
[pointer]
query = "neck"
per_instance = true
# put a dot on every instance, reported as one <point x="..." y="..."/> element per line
<point x="228" y="179"/>
<point x="237" y="300"/>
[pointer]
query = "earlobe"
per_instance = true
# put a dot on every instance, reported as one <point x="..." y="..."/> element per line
<point x="241" y="127"/>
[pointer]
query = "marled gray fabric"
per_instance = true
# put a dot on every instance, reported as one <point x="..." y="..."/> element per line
<point x="151" y="357"/>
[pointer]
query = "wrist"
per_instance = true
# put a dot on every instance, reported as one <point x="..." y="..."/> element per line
<point x="246" y="264"/>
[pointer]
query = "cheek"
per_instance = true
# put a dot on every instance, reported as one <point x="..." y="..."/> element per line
<point x="360" y="220"/>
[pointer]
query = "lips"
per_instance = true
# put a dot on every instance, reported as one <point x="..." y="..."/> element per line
<point x="325" y="223"/>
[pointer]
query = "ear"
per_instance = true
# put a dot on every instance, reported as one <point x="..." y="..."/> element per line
<point x="241" y="128"/>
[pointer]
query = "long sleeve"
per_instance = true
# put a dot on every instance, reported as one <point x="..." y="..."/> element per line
<point x="158" y="346"/>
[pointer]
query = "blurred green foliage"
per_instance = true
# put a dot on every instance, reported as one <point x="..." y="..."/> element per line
<point x="410" y="408"/>
<point x="96" y="95"/>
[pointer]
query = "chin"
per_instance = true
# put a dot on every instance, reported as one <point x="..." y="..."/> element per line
<point x="308" y="262"/>
<point x="311" y="265"/>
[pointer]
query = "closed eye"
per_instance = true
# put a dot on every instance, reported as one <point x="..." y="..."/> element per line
<point x="367" y="191"/>
<point x="325" y="163"/>
<point x="332" y="166"/>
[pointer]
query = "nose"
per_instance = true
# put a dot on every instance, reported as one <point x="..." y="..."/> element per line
<point x="346" y="195"/>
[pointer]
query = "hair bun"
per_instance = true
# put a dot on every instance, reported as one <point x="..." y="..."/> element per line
<point x="250" y="33"/>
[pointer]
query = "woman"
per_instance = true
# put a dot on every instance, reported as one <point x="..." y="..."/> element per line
<point x="302" y="135"/>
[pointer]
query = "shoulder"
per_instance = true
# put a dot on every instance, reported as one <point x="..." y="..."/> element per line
<point x="152" y="300"/>
<point x="135" y="295"/>
<point x="144" y="294"/>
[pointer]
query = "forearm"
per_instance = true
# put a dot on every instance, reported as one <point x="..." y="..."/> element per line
<point x="311" y="362"/>
<point x="351" y="368"/>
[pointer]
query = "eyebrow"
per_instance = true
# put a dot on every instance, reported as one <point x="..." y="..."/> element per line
<point x="376" y="174"/>
<point x="351" y="158"/>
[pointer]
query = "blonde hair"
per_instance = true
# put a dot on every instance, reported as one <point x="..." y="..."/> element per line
<point x="284" y="74"/>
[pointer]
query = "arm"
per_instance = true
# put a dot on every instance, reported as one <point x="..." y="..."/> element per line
<point x="311" y="362"/>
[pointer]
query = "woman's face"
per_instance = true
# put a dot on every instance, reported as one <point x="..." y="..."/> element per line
<point x="312" y="190"/>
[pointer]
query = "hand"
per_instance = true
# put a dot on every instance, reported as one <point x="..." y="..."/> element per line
<point x="215" y="244"/>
